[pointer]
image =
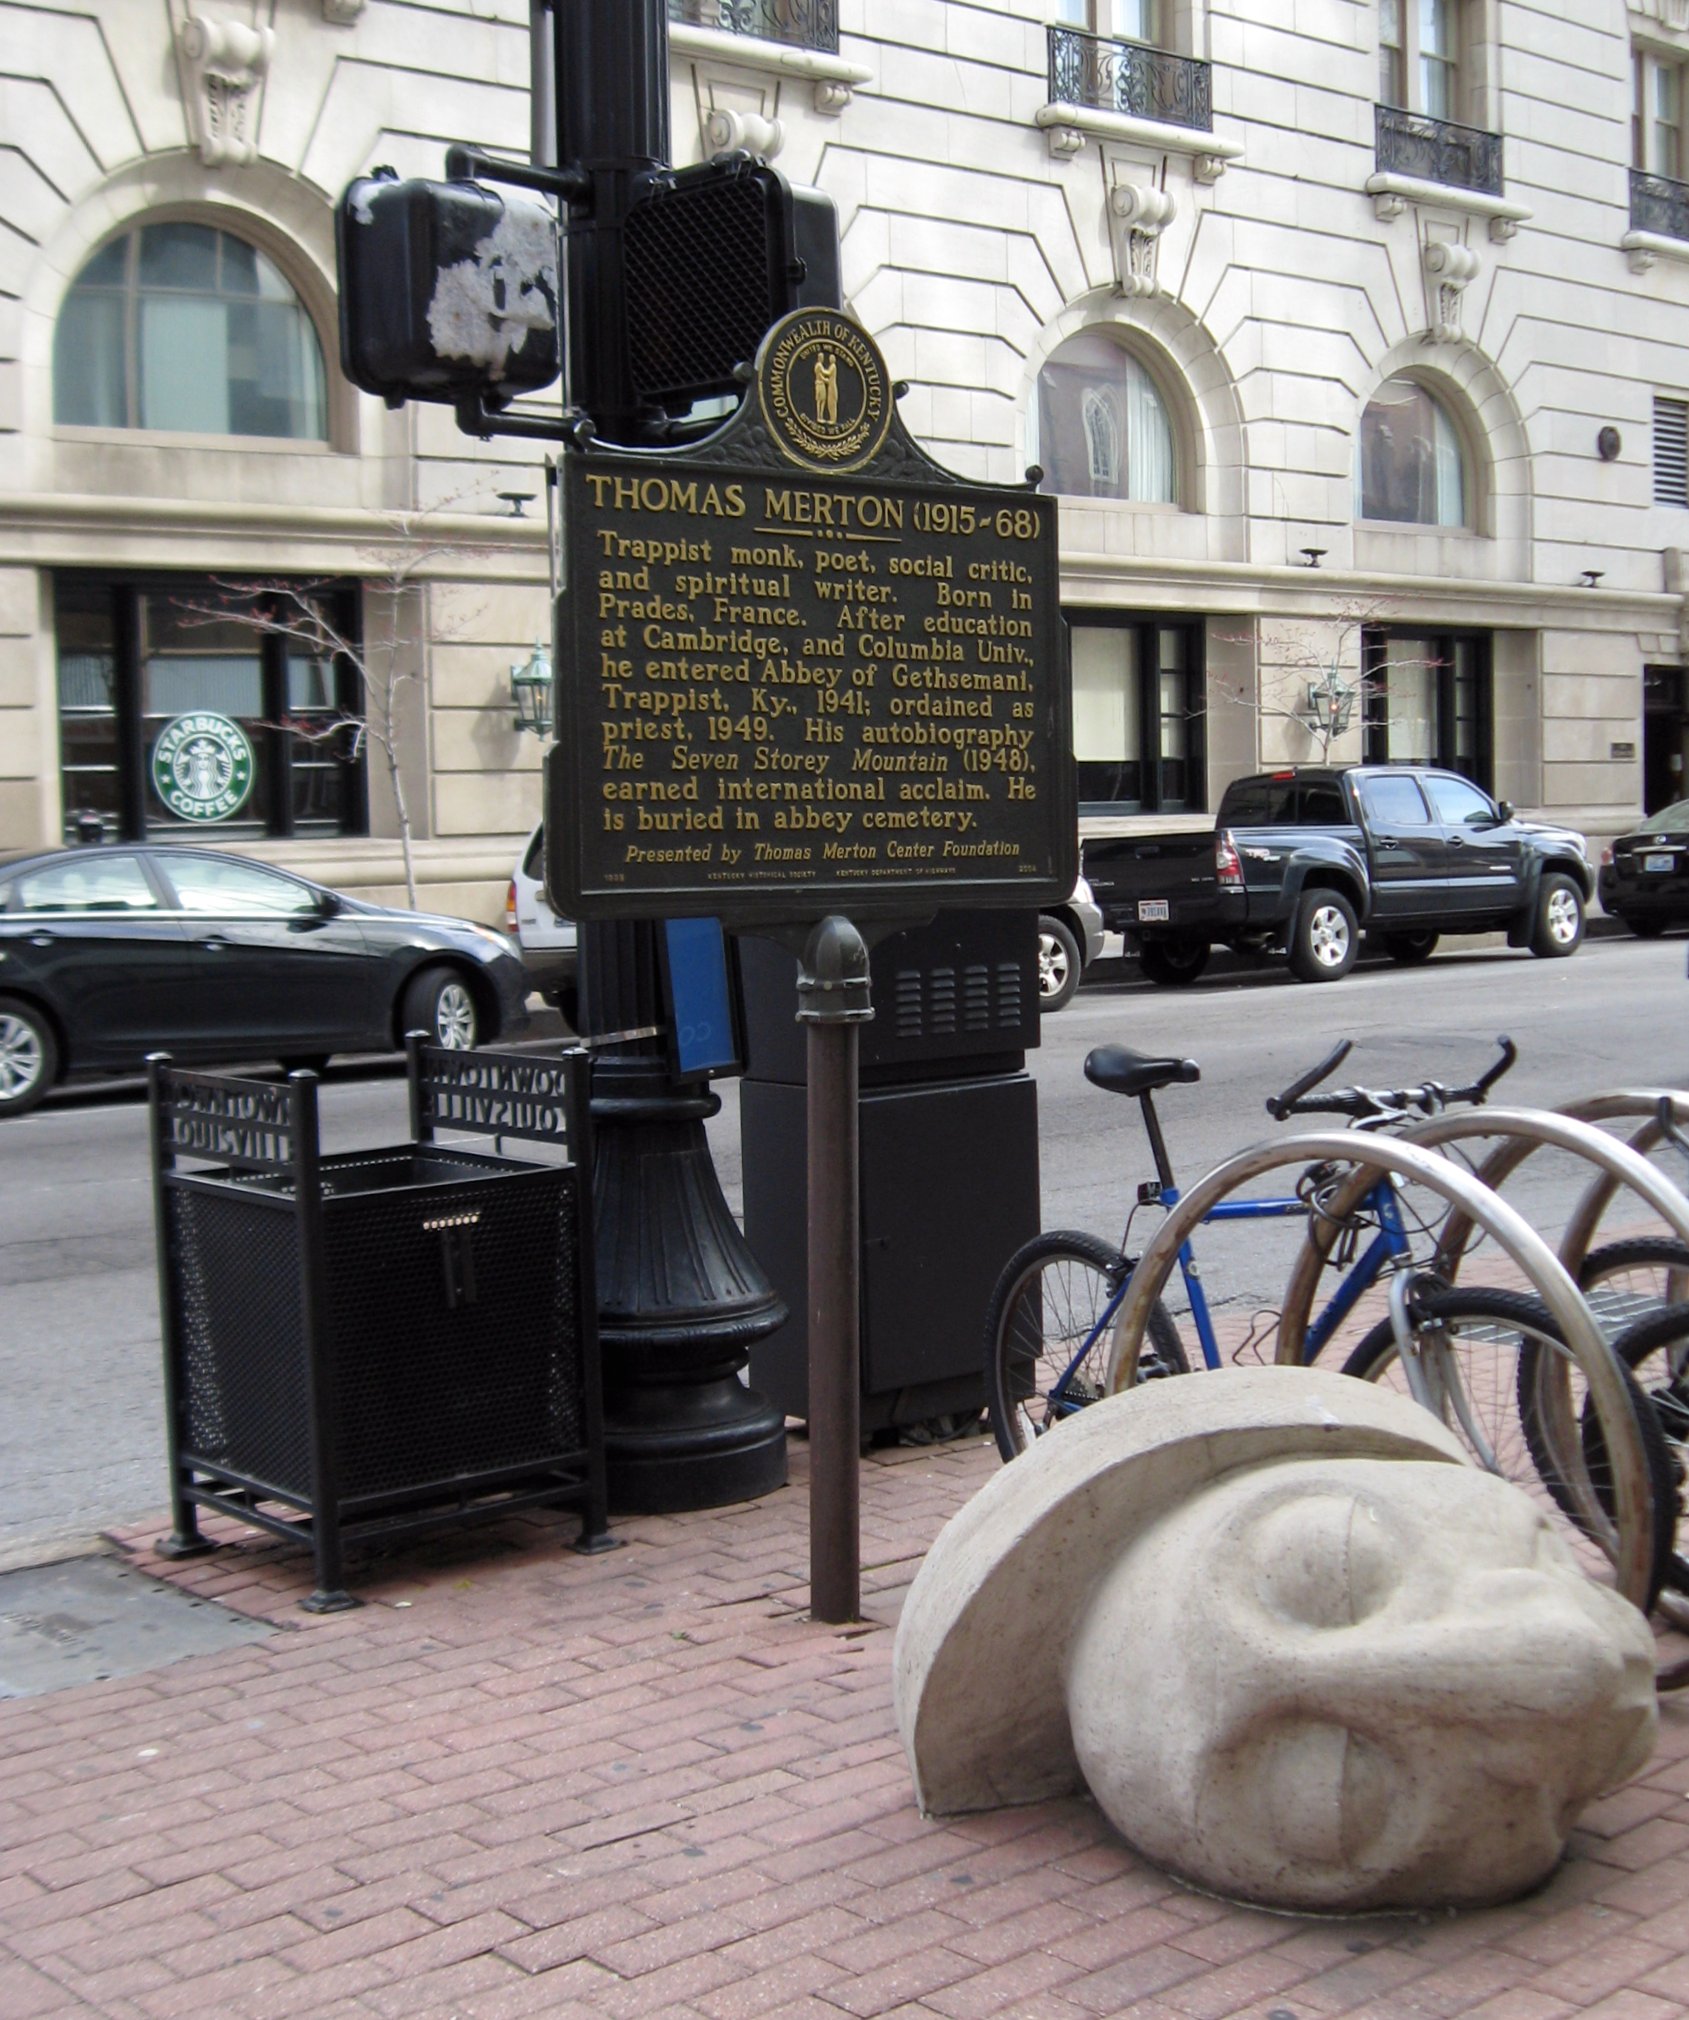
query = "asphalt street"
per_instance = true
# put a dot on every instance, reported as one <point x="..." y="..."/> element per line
<point x="81" y="1443"/>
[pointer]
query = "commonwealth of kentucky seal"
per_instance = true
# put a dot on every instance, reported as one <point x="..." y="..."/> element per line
<point x="824" y="390"/>
<point x="202" y="767"/>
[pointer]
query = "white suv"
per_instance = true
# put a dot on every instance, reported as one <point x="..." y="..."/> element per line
<point x="549" y="945"/>
<point x="1070" y="937"/>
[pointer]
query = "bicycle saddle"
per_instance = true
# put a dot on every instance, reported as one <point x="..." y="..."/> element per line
<point x="1123" y="1071"/>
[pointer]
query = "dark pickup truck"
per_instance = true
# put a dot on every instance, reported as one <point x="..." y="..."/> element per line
<point x="1300" y="862"/>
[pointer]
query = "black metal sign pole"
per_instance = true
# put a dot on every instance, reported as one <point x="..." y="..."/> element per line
<point x="833" y="1000"/>
<point x="681" y="1298"/>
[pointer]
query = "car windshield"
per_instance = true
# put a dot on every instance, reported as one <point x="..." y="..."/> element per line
<point x="1672" y="820"/>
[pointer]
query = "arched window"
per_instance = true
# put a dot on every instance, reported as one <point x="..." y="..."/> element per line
<point x="1101" y="428"/>
<point x="1412" y="466"/>
<point x="190" y="329"/>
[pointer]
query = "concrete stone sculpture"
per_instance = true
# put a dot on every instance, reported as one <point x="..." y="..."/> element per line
<point x="1300" y="1652"/>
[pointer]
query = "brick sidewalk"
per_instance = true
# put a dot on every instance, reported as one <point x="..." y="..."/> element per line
<point x="523" y="1782"/>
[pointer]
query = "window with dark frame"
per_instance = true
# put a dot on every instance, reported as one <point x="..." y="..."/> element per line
<point x="1138" y="686"/>
<point x="136" y="652"/>
<point x="1428" y="698"/>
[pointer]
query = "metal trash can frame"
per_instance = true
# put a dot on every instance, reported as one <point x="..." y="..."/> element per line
<point x="373" y="1343"/>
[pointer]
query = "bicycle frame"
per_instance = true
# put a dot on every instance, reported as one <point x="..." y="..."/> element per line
<point x="1388" y="1247"/>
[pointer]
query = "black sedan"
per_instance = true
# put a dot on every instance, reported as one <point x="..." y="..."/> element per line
<point x="109" y="953"/>
<point x="1645" y="874"/>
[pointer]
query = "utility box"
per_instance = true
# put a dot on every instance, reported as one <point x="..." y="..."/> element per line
<point x="948" y="1121"/>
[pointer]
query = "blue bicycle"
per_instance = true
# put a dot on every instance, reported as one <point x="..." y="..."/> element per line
<point x="1490" y="1363"/>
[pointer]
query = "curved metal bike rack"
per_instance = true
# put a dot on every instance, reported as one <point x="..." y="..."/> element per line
<point x="1372" y="1155"/>
<point x="1586" y="1215"/>
<point x="1506" y="1158"/>
<point x="1523" y="1131"/>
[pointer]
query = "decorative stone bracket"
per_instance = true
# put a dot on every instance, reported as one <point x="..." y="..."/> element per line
<point x="1392" y="194"/>
<point x="1065" y="127"/>
<point x="1642" y="248"/>
<point x="727" y="127"/>
<point x="1137" y="216"/>
<point x="723" y="58"/>
<point x="1449" y="269"/>
<point x="226" y="63"/>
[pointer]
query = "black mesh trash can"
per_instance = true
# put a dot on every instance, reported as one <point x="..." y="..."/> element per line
<point x="377" y="1341"/>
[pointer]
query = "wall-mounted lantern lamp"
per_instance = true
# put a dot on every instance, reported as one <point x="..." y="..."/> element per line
<point x="1331" y="703"/>
<point x="530" y="690"/>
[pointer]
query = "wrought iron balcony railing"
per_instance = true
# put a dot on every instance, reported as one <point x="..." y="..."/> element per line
<point x="1659" y="204"/>
<point x="804" y="24"/>
<point x="1437" y="150"/>
<point x="1129" y="77"/>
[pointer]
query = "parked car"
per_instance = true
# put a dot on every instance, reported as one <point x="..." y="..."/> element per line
<point x="1300" y="860"/>
<point x="1644" y="876"/>
<point x="549" y="944"/>
<point x="109" y="953"/>
<point x="1069" y="940"/>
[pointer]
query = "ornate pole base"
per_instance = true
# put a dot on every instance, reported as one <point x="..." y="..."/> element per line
<point x="681" y="1299"/>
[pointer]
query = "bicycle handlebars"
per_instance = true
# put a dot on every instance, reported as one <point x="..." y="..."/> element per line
<point x="1366" y="1104"/>
<point x="1280" y="1105"/>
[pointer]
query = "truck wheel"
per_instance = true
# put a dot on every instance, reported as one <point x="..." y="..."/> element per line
<point x="1408" y="950"/>
<point x="1323" y="941"/>
<point x="1558" y="926"/>
<point x="1058" y="964"/>
<point x="1173" y="962"/>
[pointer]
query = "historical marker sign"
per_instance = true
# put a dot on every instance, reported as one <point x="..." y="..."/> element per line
<point x="783" y="691"/>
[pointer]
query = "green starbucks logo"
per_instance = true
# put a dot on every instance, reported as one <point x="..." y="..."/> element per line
<point x="202" y="767"/>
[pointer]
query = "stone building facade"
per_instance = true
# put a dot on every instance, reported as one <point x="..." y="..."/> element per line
<point x="1352" y="337"/>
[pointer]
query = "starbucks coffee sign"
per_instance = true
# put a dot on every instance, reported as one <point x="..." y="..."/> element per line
<point x="202" y="767"/>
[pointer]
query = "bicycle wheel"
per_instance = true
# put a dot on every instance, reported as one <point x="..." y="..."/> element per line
<point x="1047" y="1332"/>
<point x="1627" y="1281"/>
<point x="1656" y="1351"/>
<point x="1488" y="1355"/>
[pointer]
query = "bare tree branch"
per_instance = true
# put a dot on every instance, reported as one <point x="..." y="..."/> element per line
<point x="298" y="610"/>
<point x="1314" y="653"/>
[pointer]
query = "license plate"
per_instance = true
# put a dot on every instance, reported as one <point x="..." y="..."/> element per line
<point x="1662" y="862"/>
<point x="1152" y="911"/>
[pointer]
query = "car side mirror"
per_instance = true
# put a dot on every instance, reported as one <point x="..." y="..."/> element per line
<point x="1504" y="810"/>
<point x="328" y="905"/>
